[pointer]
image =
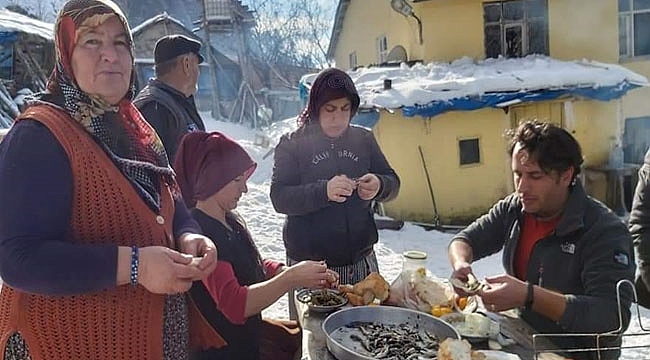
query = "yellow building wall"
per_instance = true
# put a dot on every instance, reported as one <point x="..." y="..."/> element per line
<point x="361" y="30"/>
<point x="584" y="117"/>
<point x="463" y="193"/>
<point x="583" y="29"/>
<point x="459" y="192"/>
<point x="445" y="36"/>
<point x="595" y="128"/>
<point x="635" y="103"/>
<point x="454" y="28"/>
<point x="578" y="29"/>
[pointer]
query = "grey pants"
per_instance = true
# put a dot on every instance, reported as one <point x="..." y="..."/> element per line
<point x="348" y="274"/>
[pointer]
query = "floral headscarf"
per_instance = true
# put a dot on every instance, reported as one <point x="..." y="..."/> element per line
<point x="120" y="129"/>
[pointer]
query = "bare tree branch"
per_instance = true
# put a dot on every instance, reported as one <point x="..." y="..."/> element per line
<point x="292" y="32"/>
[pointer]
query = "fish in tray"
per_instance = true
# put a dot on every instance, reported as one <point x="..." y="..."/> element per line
<point x="384" y="332"/>
<point x="395" y="341"/>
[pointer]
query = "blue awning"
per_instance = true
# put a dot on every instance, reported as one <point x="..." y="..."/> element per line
<point x="494" y="99"/>
<point x="8" y="37"/>
<point x="367" y="119"/>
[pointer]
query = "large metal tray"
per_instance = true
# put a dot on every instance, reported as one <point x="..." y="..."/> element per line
<point x="344" y="348"/>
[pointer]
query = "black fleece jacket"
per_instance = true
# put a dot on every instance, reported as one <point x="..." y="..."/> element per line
<point x="316" y="228"/>
<point x="640" y="220"/>
<point x="589" y="251"/>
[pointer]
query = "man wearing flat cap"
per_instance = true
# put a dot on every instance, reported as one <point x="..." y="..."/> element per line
<point x="167" y="102"/>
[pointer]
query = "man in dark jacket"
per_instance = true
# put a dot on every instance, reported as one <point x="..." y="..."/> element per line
<point x="640" y="229"/>
<point x="167" y="102"/>
<point x="563" y="251"/>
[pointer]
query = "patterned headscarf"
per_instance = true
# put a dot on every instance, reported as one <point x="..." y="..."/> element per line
<point x="120" y="129"/>
<point x="330" y="84"/>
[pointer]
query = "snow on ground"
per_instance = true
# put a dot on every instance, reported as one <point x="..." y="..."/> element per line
<point x="266" y="227"/>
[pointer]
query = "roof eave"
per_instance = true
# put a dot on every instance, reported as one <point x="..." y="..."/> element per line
<point x="162" y="17"/>
<point x="341" y="9"/>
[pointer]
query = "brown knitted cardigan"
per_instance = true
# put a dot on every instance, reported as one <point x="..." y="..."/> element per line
<point x="124" y="322"/>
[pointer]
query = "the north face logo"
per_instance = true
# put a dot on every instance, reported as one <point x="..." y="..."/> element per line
<point x="568" y="248"/>
<point x="621" y="258"/>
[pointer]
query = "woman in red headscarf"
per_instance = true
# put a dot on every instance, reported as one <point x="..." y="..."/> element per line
<point x="96" y="247"/>
<point x="212" y="173"/>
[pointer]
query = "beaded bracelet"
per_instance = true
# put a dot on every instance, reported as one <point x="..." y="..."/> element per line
<point x="134" y="265"/>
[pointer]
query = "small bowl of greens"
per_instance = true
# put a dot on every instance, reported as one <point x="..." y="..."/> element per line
<point x="322" y="300"/>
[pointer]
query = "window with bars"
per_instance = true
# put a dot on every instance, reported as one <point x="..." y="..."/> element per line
<point x="218" y="9"/>
<point x="353" y="59"/>
<point x="382" y="48"/>
<point x="633" y="28"/>
<point x="516" y="28"/>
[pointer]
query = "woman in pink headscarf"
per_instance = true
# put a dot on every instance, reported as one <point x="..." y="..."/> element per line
<point x="212" y="171"/>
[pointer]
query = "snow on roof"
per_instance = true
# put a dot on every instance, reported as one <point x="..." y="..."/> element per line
<point x="13" y="22"/>
<point x="153" y="20"/>
<point x="464" y="78"/>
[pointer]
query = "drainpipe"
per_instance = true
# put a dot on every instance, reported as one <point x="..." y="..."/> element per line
<point x="569" y="117"/>
<point x="620" y="123"/>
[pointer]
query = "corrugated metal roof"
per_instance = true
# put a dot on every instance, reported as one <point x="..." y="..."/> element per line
<point x="14" y="22"/>
<point x="160" y="17"/>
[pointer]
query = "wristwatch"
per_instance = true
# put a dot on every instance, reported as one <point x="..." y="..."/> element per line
<point x="530" y="297"/>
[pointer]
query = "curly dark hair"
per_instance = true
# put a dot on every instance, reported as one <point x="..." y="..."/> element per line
<point x="551" y="146"/>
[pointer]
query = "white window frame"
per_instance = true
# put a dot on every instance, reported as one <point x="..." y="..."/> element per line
<point x="382" y="48"/>
<point x="521" y="23"/>
<point x="353" y="60"/>
<point x="628" y="17"/>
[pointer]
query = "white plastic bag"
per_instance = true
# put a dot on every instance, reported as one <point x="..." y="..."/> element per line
<point x="416" y="290"/>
